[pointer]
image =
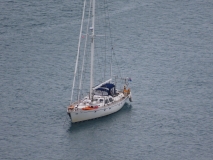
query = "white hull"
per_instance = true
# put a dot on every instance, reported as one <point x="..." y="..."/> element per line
<point x="82" y="115"/>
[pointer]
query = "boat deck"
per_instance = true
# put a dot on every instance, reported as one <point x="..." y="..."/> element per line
<point x="99" y="102"/>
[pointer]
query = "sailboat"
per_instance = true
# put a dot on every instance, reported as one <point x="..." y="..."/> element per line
<point x="104" y="98"/>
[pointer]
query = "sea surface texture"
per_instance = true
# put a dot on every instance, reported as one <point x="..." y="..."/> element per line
<point x="165" y="46"/>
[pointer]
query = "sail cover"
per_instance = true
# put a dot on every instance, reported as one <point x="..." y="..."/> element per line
<point x="106" y="89"/>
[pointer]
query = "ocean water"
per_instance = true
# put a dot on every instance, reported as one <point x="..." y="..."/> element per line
<point x="165" y="46"/>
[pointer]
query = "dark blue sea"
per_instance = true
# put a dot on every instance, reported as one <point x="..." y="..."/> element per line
<point x="165" y="46"/>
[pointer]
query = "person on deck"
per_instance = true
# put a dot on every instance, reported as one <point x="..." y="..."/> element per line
<point x="125" y="91"/>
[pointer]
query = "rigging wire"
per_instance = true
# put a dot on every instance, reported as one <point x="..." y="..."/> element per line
<point x="111" y="38"/>
<point x="102" y="62"/>
<point x="85" y="45"/>
<point x="77" y="58"/>
<point x="100" y="48"/>
<point x="86" y="70"/>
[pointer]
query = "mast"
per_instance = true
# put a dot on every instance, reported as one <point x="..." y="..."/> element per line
<point x="92" y="47"/>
